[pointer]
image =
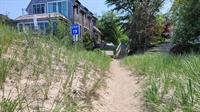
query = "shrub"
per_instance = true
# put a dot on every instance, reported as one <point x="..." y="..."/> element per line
<point x="62" y="30"/>
<point x="6" y="20"/>
<point x="186" y="20"/>
<point x="185" y="48"/>
<point x="88" y="42"/>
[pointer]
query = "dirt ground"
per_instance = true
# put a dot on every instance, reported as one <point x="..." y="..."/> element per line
<point x="123" y="92"/>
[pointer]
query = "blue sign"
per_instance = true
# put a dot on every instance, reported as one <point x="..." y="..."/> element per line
<point x="75" y="29"/>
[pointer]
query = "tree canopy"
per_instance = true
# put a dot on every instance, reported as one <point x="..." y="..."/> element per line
<point x="138" y="19"/>
<point x="109" y="24"/>
<point x="186" y="19"/>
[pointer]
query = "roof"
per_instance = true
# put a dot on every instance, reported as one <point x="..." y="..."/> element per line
<point x="96" y="29"/>
<point x="84" y="8"/>
<point x="35" y="1"/>
<point x="41" y="16"/>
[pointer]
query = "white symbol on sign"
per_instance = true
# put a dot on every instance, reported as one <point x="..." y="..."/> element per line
<point x="75" y="31"/>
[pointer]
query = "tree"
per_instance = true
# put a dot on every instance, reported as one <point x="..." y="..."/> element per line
<point x="109" y="24"/>
<point x="138" y="19"/>
<point x="6" y="20"/>
<point x="162" y="29"/>
<point x="186" y="19"/>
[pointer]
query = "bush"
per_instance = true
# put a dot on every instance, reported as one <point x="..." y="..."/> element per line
<point x="62" y="30"/>
<point x="88" y="42"/>
<point x="186" y="20"/>
<point x="185" y="48"/>
<point x="6" y="20"/>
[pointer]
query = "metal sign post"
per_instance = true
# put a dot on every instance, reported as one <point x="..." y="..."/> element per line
<point x="75" y="30"/>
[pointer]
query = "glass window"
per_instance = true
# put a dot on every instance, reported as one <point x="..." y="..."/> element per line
<point x="41" y="26"/>
<point x="60" y="7"/>
<point x="46" y="25"/>
<point x="64" y="8"/>
<point x="29" y="26"/>
<point x="39" y="9"/>
<point x="54" y="7"/>
<point x="50" y="7"/>
<point x="34" y="9"/>
<point x="32" y="26"/>
<point x="43" y="8"/>
<point x="21" y="27"/>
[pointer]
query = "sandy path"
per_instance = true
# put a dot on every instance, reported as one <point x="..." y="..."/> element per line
<point x="122" y="93"/>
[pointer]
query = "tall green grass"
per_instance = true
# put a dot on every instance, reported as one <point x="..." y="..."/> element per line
<point x="172" y="82"/>
<point x="47" y="58"/>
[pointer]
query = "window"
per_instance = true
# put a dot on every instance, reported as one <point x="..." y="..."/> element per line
<point x="51" y="7"/>
<point x="29" y="26"/>
<point x="43" y="25"/>
<point x="38" y="8"/>
<point x="43" y="8"/>
<point x="21" y="27"/>
<point x="60" y="7"/>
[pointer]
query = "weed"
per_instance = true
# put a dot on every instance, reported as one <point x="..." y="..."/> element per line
<point x="4" y="70"/>
<point x="37" y="56"/>
<point x="172" y="81"/>
<point x="9" y="105"/>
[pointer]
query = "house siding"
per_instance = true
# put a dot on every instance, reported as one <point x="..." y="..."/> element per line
<point x="70" y="9"/>
<point x="76" y="13"/>
<point x="70" y="4"/>
<point x="29" y="9"/>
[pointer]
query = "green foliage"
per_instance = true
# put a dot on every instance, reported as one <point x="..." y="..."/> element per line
<point x="160" y="20"/>
<point x="62" y="29"/>
<point x="9" y="105"/>
<point x="158" y="40"/>
<point x="185" y="14"/>
<point x="88" y="42"/>
<point x="138" y="19"/>
<point x="6" y="40"/>
<point x="6" y="20"/>
<point x="101" y="60"/>
<point x="109" y="24"/>
<point x="4" y="70"/>
<point x="123" y="38"/>
<point x="172" y="82"/>
<point x="158" y="30"/>
<point x="43" y="54"/>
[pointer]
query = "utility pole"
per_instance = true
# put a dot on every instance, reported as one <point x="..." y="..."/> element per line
<point x="7" y="13"/>
<point x="23" y="13"/>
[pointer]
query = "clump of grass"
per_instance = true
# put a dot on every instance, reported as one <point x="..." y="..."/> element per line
<point x="45" y="59"/>
<point x="172" y="83"/>
<point x="101" y="60"/>
<point x="10" y="105"/>
<point x="4" y="70"/>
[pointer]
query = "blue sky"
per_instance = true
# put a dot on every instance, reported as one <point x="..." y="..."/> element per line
<point x="13" y="8"/>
